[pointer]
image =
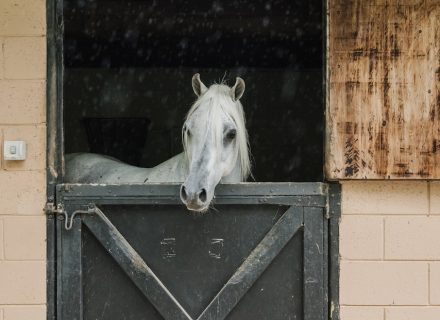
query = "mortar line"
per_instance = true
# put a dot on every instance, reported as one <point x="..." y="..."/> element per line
<point x="21" y="215"/>
<point x="25" y="260"/>
<point x="16" y="80"/>
<point x="8" y="169"/>
<point x="422" y="214"/>
<point x="25" y="79"/>
<point x="362" y="259"/>
<point x="1" y="146"/>
<point x="429" y="198"/>
<point x="390" y="306"/>
<point x="24" y="35"/>
<point x="383" y="238"/>
<point x="24" y="124"/>
<point x="429" y="283"/>
<point x="400" y="306"/>
<point x="22" y="305"/>
<point x="3" y="58"/>
<point x="3" y="241"/>
<point x="42" y="170"/>
<point x="429" y="260"/>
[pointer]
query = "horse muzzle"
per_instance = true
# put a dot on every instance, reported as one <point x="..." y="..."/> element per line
<point x="195" y="199"/>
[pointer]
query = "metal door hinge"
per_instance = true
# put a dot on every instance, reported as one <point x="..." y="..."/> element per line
<point x="327" y="206"/>
<point x="52" y="209"/>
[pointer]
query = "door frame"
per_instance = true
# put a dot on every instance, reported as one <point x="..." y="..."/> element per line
<point x="54" y="140"/>
<point x="55" y="162"/>
<point x="304" y="210"/>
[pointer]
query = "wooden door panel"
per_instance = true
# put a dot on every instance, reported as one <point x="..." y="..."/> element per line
<point x="383" y="90"/>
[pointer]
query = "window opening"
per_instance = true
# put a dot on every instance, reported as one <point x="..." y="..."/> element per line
<point x="128" y="69"/>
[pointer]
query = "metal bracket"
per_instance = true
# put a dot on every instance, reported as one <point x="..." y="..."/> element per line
<point x="50" y="208"/>
<point x="58" y="210"/>
<point x="327" y="205"/>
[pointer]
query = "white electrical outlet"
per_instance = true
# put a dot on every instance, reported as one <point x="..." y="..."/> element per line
<point x="14" y="150"/>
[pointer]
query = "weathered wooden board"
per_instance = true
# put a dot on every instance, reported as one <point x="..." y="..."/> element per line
<point x="383" y="89"/>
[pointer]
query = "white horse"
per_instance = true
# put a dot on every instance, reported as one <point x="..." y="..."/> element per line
<point x="215" y="145"/>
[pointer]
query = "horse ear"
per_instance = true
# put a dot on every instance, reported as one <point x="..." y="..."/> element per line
<point x="198" y="86"/>
<point x="238" y="89"/>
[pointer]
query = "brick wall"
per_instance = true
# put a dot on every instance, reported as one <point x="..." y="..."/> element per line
<point x="390" y="251"/>
<point x="22" y="184"/>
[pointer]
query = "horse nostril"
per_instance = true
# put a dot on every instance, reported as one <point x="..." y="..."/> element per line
<point x="202" y="195"/>
<point x="183" y="193"/>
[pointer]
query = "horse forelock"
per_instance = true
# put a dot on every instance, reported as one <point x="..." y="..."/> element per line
<point x="218" y="99"/>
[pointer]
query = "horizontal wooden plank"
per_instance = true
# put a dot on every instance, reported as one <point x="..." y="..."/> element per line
<point x="172" y="190"/>
<point x="299" y="201"/>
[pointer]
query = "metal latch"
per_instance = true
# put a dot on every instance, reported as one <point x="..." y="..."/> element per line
<point x="51" y="208"/>
<point x="58" y="210"/>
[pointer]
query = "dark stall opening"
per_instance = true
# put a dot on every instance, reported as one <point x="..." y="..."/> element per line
<point x="128" y="69"/>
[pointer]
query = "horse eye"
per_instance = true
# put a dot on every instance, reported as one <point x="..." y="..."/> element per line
<point x="231" y="135"/>
<point x="186" y="130"/>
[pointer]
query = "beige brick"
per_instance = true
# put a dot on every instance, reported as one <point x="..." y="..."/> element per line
<point x="35" y="138"/>
<point x="412" y="238"/>
<point x="22" y="17"/>
<point x="22" y="101"/>
<point x="434" y="278"/>
<point x="384" y="197"/>
<point x="434" y="198"/>
<point x="25" y="238"/>
<point x="25" y="312"/>
<point x="361" y="237"/>
<point x="25" y="58"/>
<point x="25" y="282"/>
<point x="22" y="192"/>
<point x="383" y="283"/>
<point x="2" y="256"/>
<point x="412" y="313"/>
<point x="362" y="313"/>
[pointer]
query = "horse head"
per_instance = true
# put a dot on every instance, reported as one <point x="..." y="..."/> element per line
<point x="215" y="142"/>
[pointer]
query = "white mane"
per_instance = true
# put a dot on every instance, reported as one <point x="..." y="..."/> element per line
<point x="216" y="100"/>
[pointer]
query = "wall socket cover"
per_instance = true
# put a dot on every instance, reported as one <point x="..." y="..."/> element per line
<point x="14" y="150"/>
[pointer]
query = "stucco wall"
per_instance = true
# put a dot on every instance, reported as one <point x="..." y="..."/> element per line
<point x="390" y="251"/>
<point x="22" y="184"/>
